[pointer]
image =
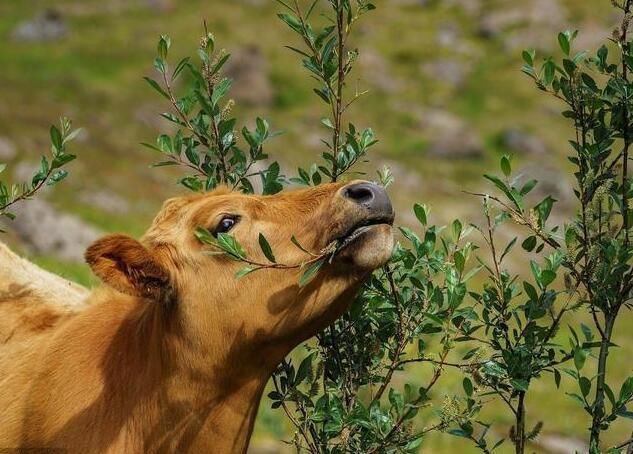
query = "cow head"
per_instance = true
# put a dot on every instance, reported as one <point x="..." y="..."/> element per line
<point x="172" y="268"/>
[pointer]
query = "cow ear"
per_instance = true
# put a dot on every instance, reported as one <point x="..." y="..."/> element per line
<point x="126" y="265"/>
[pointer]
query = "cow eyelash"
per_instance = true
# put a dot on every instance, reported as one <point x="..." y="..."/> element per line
<point x="225" y="225"/>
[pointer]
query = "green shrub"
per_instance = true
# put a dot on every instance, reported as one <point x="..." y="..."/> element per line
<point x="50" y="172"/>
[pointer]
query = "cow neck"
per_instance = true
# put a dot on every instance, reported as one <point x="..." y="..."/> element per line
<point x="205" y="377"/>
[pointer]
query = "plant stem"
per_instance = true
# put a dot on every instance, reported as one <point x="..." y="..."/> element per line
<point x="519" y="442"/>
<point x="598" y="407"/>
<point x="338" y="113"/>
<point x="625" y="129"/>
<point x="27" y="194"/>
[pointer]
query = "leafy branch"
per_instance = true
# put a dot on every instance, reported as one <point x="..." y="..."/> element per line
<point x="50" y="171"/>
<point x="206" y="143"/>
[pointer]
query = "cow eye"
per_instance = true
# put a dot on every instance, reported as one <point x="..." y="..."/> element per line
<point x="225" y="224"/>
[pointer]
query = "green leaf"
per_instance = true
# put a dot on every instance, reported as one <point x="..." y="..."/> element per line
<point x="506" y="190"/>
<point x="292" y="21"/>
<point x="152" y="83"/>
<point x="579" y="358"/>
<point x="585" y="386"/>
<point x="527" y="187"/>
<point x="182" y="64"/>
<point x="2" y="167"/>
<point x="56" y="138"/>
<point x="245" y="271"/>
<point x="468" y="386"/>
<point x="421" y="212"/>
<point x="506" y="168"/>
<point x="163" y="45"/>
<point x="204" y="236"/>
<point x="311" y="272"/>
<point x="220" y="64"/>
<point x="396" y="400"/>
<point x="547" y="277"/>
<point x="626" y="391"/>
<point x="563" y="41"/>
<point x="328" y="123"/>
<point x="460" y="261"/>
<point x="456" y="229"/>
<point x="220" y="90"/>
<point x="266" y="249"/>
<point x="544" y="209"/>
<point x="62" y="159"/>
<point x="549" y="72"/>
<point x="296" y="243"/>
<point x="305" y="369"/>
<point x="322" y="94"/>
<point x="520" y="384"/>
<point x="529" y="243"/>
<point x="493" y="369"/>
<point x="164" y="164"/>
<point x="56" y="177"/>
<point x="229" y="244"/>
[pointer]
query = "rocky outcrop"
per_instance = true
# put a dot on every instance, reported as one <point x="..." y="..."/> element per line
<point x="106" y="201"/>
<point x="450" y="137"/>
<point x="47" y="26"/>
<point x="525" y="24"/>
<point x="8" y="150"/>
<point x="46" y="230"/>
<point x="249" y="70"/>
<point x="522" y="143"/>
<point x="449" y="71"/>
<point x="376" y="70"/>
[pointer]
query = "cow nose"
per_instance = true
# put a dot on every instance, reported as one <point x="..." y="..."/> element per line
<point x="370" y="196"/>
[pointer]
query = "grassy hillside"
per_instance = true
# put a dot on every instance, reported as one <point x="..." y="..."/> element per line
<point x="434" y="69"/>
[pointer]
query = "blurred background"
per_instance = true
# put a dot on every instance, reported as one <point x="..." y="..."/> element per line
<point x="447" y="98"/>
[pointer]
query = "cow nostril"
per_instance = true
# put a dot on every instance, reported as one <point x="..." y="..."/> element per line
<point x="370" y="196"/>
<point x="360" y="193"/>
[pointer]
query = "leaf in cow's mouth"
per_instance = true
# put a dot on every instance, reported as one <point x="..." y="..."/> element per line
<point x="311" y="271"/>
<point x="225" y="242"/>
<point x="266" y="249"/>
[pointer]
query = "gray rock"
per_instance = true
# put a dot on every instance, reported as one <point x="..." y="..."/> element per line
<point x="448" y="35"/>
<point x="405" y="179"/>
<point x="378" y="72"/>
<point x="314" y="140"/>
<point x="452" y="72"/>
<point x="523" y="143"/>
<point x="159" y="5"/>
<point x="592" y="36"/>
<point x="551" y="181"/>
<point x="411" y="2"/>
<point x="254" y="3"/>
<point x="470" y="7"/>
<point x="106" y="200"/>
<point x="149" y="115"/>
<point x="47" y="26"/>
<point x="266" y="447"/>
<point x="494" y="23"/>
<point x="526" y="24"/>
<point x="450" y="137"/>
<point x="558" y="444"/>
<point x="249" y="70"/>
<point x="7" y="149"/>
<point x="47" y="231"/>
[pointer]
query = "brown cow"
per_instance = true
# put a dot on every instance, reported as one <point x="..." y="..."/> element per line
<point x="173" y="354"/>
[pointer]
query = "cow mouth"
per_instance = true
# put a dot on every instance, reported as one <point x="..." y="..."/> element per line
<point x="360" y="229"/>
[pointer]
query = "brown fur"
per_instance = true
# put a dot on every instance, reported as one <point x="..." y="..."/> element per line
<point x="173" y="354"/>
